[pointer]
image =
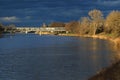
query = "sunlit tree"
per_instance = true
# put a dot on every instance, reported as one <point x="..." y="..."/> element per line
<point x="57" y="24"/>
<point x="97" y="20"/>
<point x="73" y="27"/>
<point x="112" y="23"/>
<point x="84" y="25"/>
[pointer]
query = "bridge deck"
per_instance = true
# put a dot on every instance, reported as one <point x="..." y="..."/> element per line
<point x="41" y="28"/>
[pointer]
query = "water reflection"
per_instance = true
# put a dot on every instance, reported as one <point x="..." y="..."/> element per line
<point x="34" y="57"/>
<point x="116" y="52"/>
<point x="97" y="52"/>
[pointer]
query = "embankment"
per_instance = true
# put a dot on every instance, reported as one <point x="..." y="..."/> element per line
<point x="113" y="71"/>
<point x="116" y="41"/>
<point x="109" y="73"/>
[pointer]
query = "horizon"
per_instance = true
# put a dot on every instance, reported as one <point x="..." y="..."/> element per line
<point x="37" y="12"/>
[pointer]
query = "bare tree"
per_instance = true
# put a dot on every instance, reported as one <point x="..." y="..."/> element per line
<point x="97" y="20"/>
<point x="57" y="24"/>
<point x="85" y="25"/>
<point x="73" y="27"/>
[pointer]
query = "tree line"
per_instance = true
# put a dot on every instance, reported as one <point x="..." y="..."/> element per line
<point x="7" y="29"/>
<point x="95" y="23"/>
<point x="1" y="29"/>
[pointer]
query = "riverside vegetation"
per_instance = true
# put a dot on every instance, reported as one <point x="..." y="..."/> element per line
<point x="96" y="26"/>
<point x="1" y="29"/>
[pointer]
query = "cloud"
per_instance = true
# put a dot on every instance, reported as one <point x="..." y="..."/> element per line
<point x="9" y="19"/>
<point x="109" y="3"/>
<point x="28" y="17"/>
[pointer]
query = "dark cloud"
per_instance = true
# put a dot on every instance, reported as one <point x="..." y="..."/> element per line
<point x="35" y="12"/>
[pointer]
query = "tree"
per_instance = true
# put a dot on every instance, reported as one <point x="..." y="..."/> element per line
<point x="112" y="23"/>
<point x="85" y="25"/>
<point x="12" y="26"/>
<point x="97" y="20"/>
<point x="1" y="28"/>
<point x="57" y="24"/>
<point x="73" y="27"/>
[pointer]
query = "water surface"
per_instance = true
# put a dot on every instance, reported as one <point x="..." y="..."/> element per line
<point x="34" y="57"/>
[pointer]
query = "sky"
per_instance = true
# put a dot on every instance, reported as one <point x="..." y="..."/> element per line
<point x="37" y="12"/>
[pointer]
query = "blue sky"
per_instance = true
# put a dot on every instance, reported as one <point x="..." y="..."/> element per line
<point x="36" y="12"/>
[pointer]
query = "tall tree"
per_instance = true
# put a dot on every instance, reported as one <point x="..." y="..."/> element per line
<point x="112" y="23"/>
<point x="97" y="20"/>
<point x="84" y="25"/>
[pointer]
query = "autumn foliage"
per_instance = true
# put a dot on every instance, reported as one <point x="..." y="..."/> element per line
<point x="112" y="23"/>
<point x="95" y="23"/>
<point x="57" y="24"/>
<point x="73" y="27"/>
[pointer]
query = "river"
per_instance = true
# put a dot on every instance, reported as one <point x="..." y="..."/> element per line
<point x="50" y="57"/>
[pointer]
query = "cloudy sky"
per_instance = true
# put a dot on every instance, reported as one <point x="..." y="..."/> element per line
<point x="36" y="12"/>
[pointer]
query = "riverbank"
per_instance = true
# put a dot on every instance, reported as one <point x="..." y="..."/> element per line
<point x="115" y="40"/>
<point x="109" y="73"/>
<point x="113" y="71"/>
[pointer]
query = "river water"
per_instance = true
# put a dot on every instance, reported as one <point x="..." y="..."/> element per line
<point x="35" y="57"/>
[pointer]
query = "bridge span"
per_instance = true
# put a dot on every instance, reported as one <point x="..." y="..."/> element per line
<point x="41" y="30"/>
